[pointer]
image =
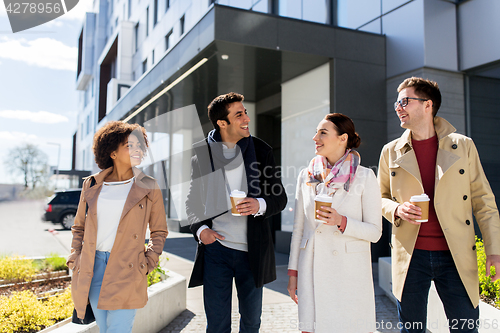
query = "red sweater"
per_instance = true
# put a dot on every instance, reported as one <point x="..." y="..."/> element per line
<point x="430" y="236"/>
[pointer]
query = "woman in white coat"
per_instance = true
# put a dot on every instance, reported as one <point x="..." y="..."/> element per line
<point x="330" y="261"/>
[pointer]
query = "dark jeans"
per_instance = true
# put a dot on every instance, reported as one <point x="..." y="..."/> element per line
<point x="438" y="266"/>
<point x="222" y="264"/>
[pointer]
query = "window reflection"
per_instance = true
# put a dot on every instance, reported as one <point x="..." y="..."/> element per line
<point x="354" y="14"/>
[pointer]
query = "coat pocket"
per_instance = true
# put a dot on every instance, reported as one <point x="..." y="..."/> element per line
<point x="357" y="246"/>
<point x="303" y="243"/>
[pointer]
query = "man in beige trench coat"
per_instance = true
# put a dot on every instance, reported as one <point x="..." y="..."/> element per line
<point x="430" y="158"/>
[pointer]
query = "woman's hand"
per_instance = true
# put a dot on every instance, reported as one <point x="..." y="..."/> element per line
<point x="331" y="217"/>
<point x="292" y="288"/>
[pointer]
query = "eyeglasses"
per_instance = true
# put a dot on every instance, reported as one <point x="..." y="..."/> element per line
<point x="404" y="101"/>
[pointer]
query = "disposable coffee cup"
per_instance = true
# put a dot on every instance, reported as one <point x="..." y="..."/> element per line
<point x="421" y="201"/>
<point x="236" y="196"/>
<point x="321" y="200"/>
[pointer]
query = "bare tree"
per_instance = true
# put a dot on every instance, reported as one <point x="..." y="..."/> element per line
<point x="29" y="161"/>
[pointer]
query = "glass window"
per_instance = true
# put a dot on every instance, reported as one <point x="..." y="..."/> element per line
<point x="74" y="197"/>
<point x="291" y="8"/>
<point x="315" y="11"/>
<point x="244" y="4"/>
<point x="374" y="27"/>
<point x="183" y="19"/>
<point x="388" y="5"/>
<point x="356" y="13"/>
<point x="144" y="66"/>
<point x="88" y="124"/>
<point x="168" y="40"/>
<point x="147" y="21"/>
<point x="60" y="198"/>
<point x="136" y="35"/>
<point x="155" y="12"/>
<point x="261" y="6"/>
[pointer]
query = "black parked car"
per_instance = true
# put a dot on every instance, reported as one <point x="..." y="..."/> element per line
<point x="62" y="207"/>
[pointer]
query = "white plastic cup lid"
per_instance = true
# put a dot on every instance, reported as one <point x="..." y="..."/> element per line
<point x="419" y="198"/>
<point x="238" y="194"/>
<point x="323" y="198"/>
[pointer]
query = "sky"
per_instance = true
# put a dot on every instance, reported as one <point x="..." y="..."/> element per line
<point x="38" y="96"/>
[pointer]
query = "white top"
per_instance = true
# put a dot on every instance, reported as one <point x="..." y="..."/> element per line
<point x="109" y="210"/>
<point x="235" y="231"/>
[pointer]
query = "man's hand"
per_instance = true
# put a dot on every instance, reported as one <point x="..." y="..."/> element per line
<point x="208" y="236"/>
<point x="409" y="212"/>
<point x="292" y="288"/>
<point x="248" y="206"/>
<point x="493" y="260"/>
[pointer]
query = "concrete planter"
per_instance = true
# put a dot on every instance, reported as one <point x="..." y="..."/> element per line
<point x="167" y="299"/>
<point x="437" y="322"/>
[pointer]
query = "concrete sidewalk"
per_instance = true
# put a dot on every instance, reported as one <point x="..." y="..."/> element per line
<point x="279" y="312"/>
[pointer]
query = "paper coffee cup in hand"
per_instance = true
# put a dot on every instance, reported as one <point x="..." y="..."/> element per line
<point x="321" y="200"/>
<point x="236" y="196"/>
<point x="421" y="201"/>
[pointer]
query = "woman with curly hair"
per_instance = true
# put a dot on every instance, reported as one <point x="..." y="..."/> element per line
<point x="109" y="258"/>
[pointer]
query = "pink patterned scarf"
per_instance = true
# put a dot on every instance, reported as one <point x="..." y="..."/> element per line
<point x="333" y="178"/>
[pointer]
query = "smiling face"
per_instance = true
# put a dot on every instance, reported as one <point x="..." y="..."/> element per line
<point x="129" y="153"/>
<point x="237" y="128"/>
<point x="328" y="142"/>
<point x="416" y="113"/>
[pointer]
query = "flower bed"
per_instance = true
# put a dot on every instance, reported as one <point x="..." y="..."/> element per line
<point x="34" y="298"/>
<point x="32" y="294"/>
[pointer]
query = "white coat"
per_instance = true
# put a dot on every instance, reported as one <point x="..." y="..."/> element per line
<point x="335" y="283"/>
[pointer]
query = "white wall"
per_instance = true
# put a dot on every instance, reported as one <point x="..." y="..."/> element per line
<point x="305" y="100"/>
<point x="479" y="33"/>
<point x="404" y="29"/>
<point x="440" y="35"/>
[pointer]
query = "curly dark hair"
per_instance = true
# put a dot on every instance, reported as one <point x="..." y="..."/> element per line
<point x="217" y="110"/>
<point x="109" y="137"/>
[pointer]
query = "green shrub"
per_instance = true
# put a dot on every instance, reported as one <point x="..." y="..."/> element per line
<point x="16" y="269"/>
<point x="490" y="290"/>
<point x="55" y="262"/>
<point x="155" y="275"/>
<point x="60" y="306"/>
<point x="23" y="312"/>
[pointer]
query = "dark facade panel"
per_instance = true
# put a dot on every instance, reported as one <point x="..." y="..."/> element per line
<point x="359" y="46"/>
<point x="242" y="26"/>
<point x="306" y="37"/>
<point x="358" y="91"/>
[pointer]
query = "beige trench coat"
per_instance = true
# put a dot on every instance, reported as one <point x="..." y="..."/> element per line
<point x="461" y="188"/>
<point x="124" y="284"/>
<point x="335" y="283"/>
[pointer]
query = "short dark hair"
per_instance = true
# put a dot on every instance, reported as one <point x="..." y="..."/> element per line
<point x="217" y="109"/>
<point x="109" y="137"/>
<point x="344" y="124"/>
<point x="424" y="89"/>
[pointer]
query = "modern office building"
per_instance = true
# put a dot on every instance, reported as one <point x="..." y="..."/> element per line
<point x="295" y="61"/>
